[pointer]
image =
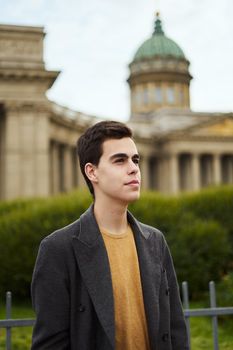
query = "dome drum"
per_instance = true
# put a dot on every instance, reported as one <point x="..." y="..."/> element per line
<point x="158" y="64"/>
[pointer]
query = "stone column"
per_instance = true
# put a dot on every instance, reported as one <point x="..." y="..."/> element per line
<point x="217" y="169"/>
<point x="41" y="152"/>
<point x="159" y="174"/>
<point x="81" y="180"/>
<point x="12" y="171"/>
<point x="144" y="167"/>
<point x="26" y="150"/>
<point x="186" y="96"/>
<point x="74" y="168"/>
<point x="174" y="173"/>
<point x="162" y="174"/>
<point x="54" y="170"/>
<point x="196" y="175"/>
<point x="68" y="168"/>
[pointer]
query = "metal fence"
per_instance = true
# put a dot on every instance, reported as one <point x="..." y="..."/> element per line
<point x="10" y="323"/>
<point x="213" y="311"/>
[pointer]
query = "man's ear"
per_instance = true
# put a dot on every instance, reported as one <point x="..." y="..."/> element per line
<point x="90" y="171"/>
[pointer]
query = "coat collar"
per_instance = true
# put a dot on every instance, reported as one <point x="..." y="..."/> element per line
<point x="89" y="233"/>
<point x="94" y="267"/>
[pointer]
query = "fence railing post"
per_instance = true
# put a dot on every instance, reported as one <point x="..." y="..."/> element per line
<point x="185" y="295"/>
<point x="213" y="304"/>
<point x="8" y="316"/>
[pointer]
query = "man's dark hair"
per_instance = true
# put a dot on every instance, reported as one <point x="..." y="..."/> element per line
<point x="89" y="145"/>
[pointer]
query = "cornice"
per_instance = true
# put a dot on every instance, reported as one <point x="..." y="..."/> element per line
<point x="159" y="61"/>
<point x="24" y="106"/>
<point x="162" y="76"/>
<point x="27" y="74"/>
<point x="12" y="28"/>
<point x="146" y="140"/>
<point x="68" y="123"/>
<point x="196" y="138"/>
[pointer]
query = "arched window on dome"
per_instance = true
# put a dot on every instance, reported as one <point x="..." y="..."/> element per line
<point x="181" y="97"/>
<point x="137" y="96"/>
<point x="170" y="95"/>
<point x="158" y="96"/>
<point x="133" y="97"/>
<point x="145" y="96"/>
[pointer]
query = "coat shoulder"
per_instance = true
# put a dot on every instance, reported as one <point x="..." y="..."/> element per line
<point x="63" y="235"/>
<point x="157" y="234"/>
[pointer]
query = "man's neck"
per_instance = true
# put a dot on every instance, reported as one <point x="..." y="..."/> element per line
<point x="112" y="216"/>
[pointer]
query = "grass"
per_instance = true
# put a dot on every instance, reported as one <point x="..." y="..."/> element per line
<point x="201" y="333"/>
<point x="201" y="330"/>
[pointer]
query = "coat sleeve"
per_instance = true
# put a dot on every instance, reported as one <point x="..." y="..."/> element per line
<point x="50" y="299"/>
<point x="179" y="337"/>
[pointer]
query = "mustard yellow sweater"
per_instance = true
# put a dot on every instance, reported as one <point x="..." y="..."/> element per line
<point x="130" y="320"/>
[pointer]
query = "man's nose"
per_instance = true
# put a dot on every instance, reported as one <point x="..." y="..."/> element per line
<point x="133" y="167"/>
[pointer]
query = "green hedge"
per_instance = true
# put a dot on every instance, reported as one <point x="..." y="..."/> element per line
<point x="200" y="245"/>
<point x="225" y="290"/>
<point x="198" y="229"/>
<point x="213" y="204"/>
<point x="22" y="229"/>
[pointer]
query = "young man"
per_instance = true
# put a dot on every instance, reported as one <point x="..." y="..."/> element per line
<point x="107" y="281"/>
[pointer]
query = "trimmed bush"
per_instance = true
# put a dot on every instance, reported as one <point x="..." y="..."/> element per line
<point x="21" y="231"/>
<point x="225" y="290"/>
<point x="213" y="203"/>
<point x="200" y="247"/>
<point x="199" y="240"/>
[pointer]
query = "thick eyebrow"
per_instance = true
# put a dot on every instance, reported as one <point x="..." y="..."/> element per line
<point x="123" y="155"/>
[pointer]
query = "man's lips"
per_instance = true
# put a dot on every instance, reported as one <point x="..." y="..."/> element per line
<point x="133" y="182"/>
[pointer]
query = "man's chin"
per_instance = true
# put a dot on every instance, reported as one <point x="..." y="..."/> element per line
<point x="134" y="197"/>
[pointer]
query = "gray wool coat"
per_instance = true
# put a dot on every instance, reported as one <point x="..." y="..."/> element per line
<point x="72" y="291"/>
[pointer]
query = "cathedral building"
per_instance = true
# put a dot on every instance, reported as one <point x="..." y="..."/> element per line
<point x="181" y="150"/>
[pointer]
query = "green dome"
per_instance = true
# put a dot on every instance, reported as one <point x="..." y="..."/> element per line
<point x="158" y="45"/>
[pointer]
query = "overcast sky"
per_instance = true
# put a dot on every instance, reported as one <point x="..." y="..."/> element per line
<point x="92" y="43"/>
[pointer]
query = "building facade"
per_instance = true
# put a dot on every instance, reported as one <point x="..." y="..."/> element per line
<point x="181" y="150"/>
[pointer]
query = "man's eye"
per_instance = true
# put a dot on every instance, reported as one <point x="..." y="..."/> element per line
<point x="136" y="161"/>
<point x="119" y="160"/>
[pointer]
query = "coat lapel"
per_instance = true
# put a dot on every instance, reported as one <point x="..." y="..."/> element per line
<point x="94" y="267"/>
<point x="150" y="271"/>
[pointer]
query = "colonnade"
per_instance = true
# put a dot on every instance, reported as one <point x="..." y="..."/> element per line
<point x="65" y="172"/>
<point x="170" y="173"/>
<point x="176" y="172"/>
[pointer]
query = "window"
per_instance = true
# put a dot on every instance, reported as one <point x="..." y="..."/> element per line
<point x="170" y="95"/>
<point x="145" y="96"/>
<point x="181" y="97"/>
<point x="136" y="98"/>
<point x="158" y="95"/>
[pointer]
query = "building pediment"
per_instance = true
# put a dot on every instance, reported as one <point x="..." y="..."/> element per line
<point x="222" y="127"/>
<point x="214" y="127"/>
